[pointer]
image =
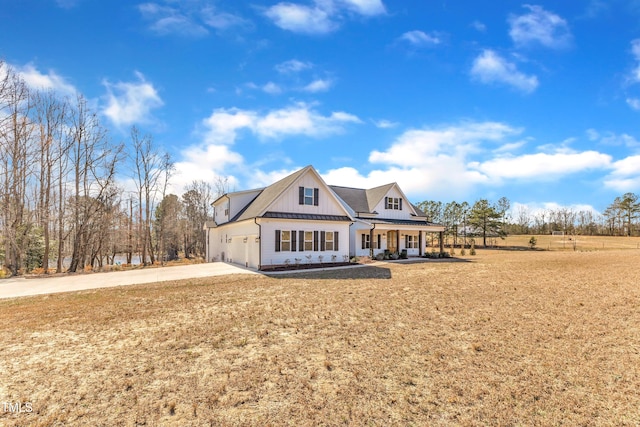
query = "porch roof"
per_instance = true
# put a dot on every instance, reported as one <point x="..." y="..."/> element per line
<point x="404" y="223"/>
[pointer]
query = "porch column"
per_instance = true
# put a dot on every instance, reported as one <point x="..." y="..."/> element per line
<point x="371" y="243"/>
<point x="441" y="234"/>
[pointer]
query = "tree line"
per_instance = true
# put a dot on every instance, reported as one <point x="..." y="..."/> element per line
<point x="62" y="202"/>
<point x="495" y="220"/>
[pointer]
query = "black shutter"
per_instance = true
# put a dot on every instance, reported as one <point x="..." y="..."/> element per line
<point x="316" y="192"/>
<point x="301" y="195"/>
<point x="363" y="241"/>
<point x="400" y="203"/>
<point x="277" y="240"/>
<point x="293" y="240"/>
<point x="386" y="203"/>
<point x="315" y="240"/>
<point x="406" y="241"/>
<point x="301" y="235"/>
<point x="322" y="241"/>
<point x="335" y="240"/>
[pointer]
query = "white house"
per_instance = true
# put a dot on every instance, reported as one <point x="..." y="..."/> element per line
<point x="385" y="220"/>
<point x="301" y="220"/>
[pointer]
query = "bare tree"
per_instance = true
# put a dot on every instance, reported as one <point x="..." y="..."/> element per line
<point x="150" y="166"/>
<point x="15" y="164"/>
<point x="197" y="201"/>
<point x="50" y="114"/>
<point x="94" y="162"/>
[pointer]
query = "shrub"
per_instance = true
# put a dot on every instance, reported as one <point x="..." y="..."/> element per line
<point x="472" y="250"/>
<point x="463" y="252"/>
<point x="533" y="242"/>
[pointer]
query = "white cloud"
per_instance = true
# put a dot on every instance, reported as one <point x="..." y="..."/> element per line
<point x="272" y="88"/>
<point x="365" y="7"/>
<point x="541" y="166"/>
<point x="50" y="81"/>
<point x="128" y="103"/>
<point x="539" y="27"/>
<point x="625" y="175"/>
<point x="190" y="19"/>
<point x="429" y="145"/>
<point x="421" y="39"/>
<point x="222" y="21"/>
<point x="491" y="68"/>
<point x="301" y="19"/>
<point x="318" y="85"/>
<point x="293" y="66"/>
<point x="445" y="162"/>
<point x="479" y="26"/>
<point x="299" y="119"/>
<point x="635" y="51"/>
<point x="634" y="103"/>
<point x="511" y="146"/>
<point x="384" y="124"/>
<point x="168" y="20"/>
<point x="323" y="17"/>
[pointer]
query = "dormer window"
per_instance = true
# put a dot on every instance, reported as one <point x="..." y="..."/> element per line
<point x="394" y="203"/>
<point x="308" y="196"/>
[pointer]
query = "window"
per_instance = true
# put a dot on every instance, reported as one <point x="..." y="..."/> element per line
<point x="308" y="240"/>
<point x="376" y="242"/>
<point x="328" y="241"/>
<point x="285" y="242"/>
<point x="393" y="203"/>
<point x="411" y="241"/>
<point x="366" y="241"/>
<point x="308" y="196"/>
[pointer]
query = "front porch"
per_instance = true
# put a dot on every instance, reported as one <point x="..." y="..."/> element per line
<point x="405" y="241"/>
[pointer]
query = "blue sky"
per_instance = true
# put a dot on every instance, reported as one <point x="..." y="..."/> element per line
<point x="454" y="100"/>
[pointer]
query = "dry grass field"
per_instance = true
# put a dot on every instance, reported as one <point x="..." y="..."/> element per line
<point x="507" y="338"/>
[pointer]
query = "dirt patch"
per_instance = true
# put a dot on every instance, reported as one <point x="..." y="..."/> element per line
<point x="512" y="338"/>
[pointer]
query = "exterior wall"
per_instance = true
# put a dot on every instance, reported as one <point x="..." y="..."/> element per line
<point x="355" y="242"/>
<point x="218" y="211"/>
<point x="271" y="257"/>
<point x="234" y="202"/>
<point x="240" y="200"/>
<point x="327" y="203"/>
<point x="235" y="243"/>
<point x="383" y="212"/>
<point x="366" y="252"/>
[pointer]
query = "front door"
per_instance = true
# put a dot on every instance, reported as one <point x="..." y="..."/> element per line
<point x="392" y="241"/>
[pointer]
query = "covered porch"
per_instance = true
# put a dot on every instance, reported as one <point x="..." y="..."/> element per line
<point x="396" y="236"/>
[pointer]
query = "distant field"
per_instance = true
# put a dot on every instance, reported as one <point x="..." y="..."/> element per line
<point x="570" y="243"/>
<point x="506" y="338"/>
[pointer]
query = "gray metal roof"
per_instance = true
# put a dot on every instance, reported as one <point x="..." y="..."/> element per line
<point x="400" y="222"/>
<point x="316" y="217"/>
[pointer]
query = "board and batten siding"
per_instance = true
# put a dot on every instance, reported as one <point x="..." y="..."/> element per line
<point x="268" y="241"/>
<point x="289" y="201"/>
<point x="383" y="212"/>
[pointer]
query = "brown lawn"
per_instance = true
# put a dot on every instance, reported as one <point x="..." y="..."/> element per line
<point x="509" y="338"/>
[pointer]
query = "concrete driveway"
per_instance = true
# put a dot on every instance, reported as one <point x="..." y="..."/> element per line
<point x="20" y="287"/>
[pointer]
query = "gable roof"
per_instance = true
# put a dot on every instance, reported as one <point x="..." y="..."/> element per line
<point x="266" y="197"/>
<point x="364" y="201"/>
